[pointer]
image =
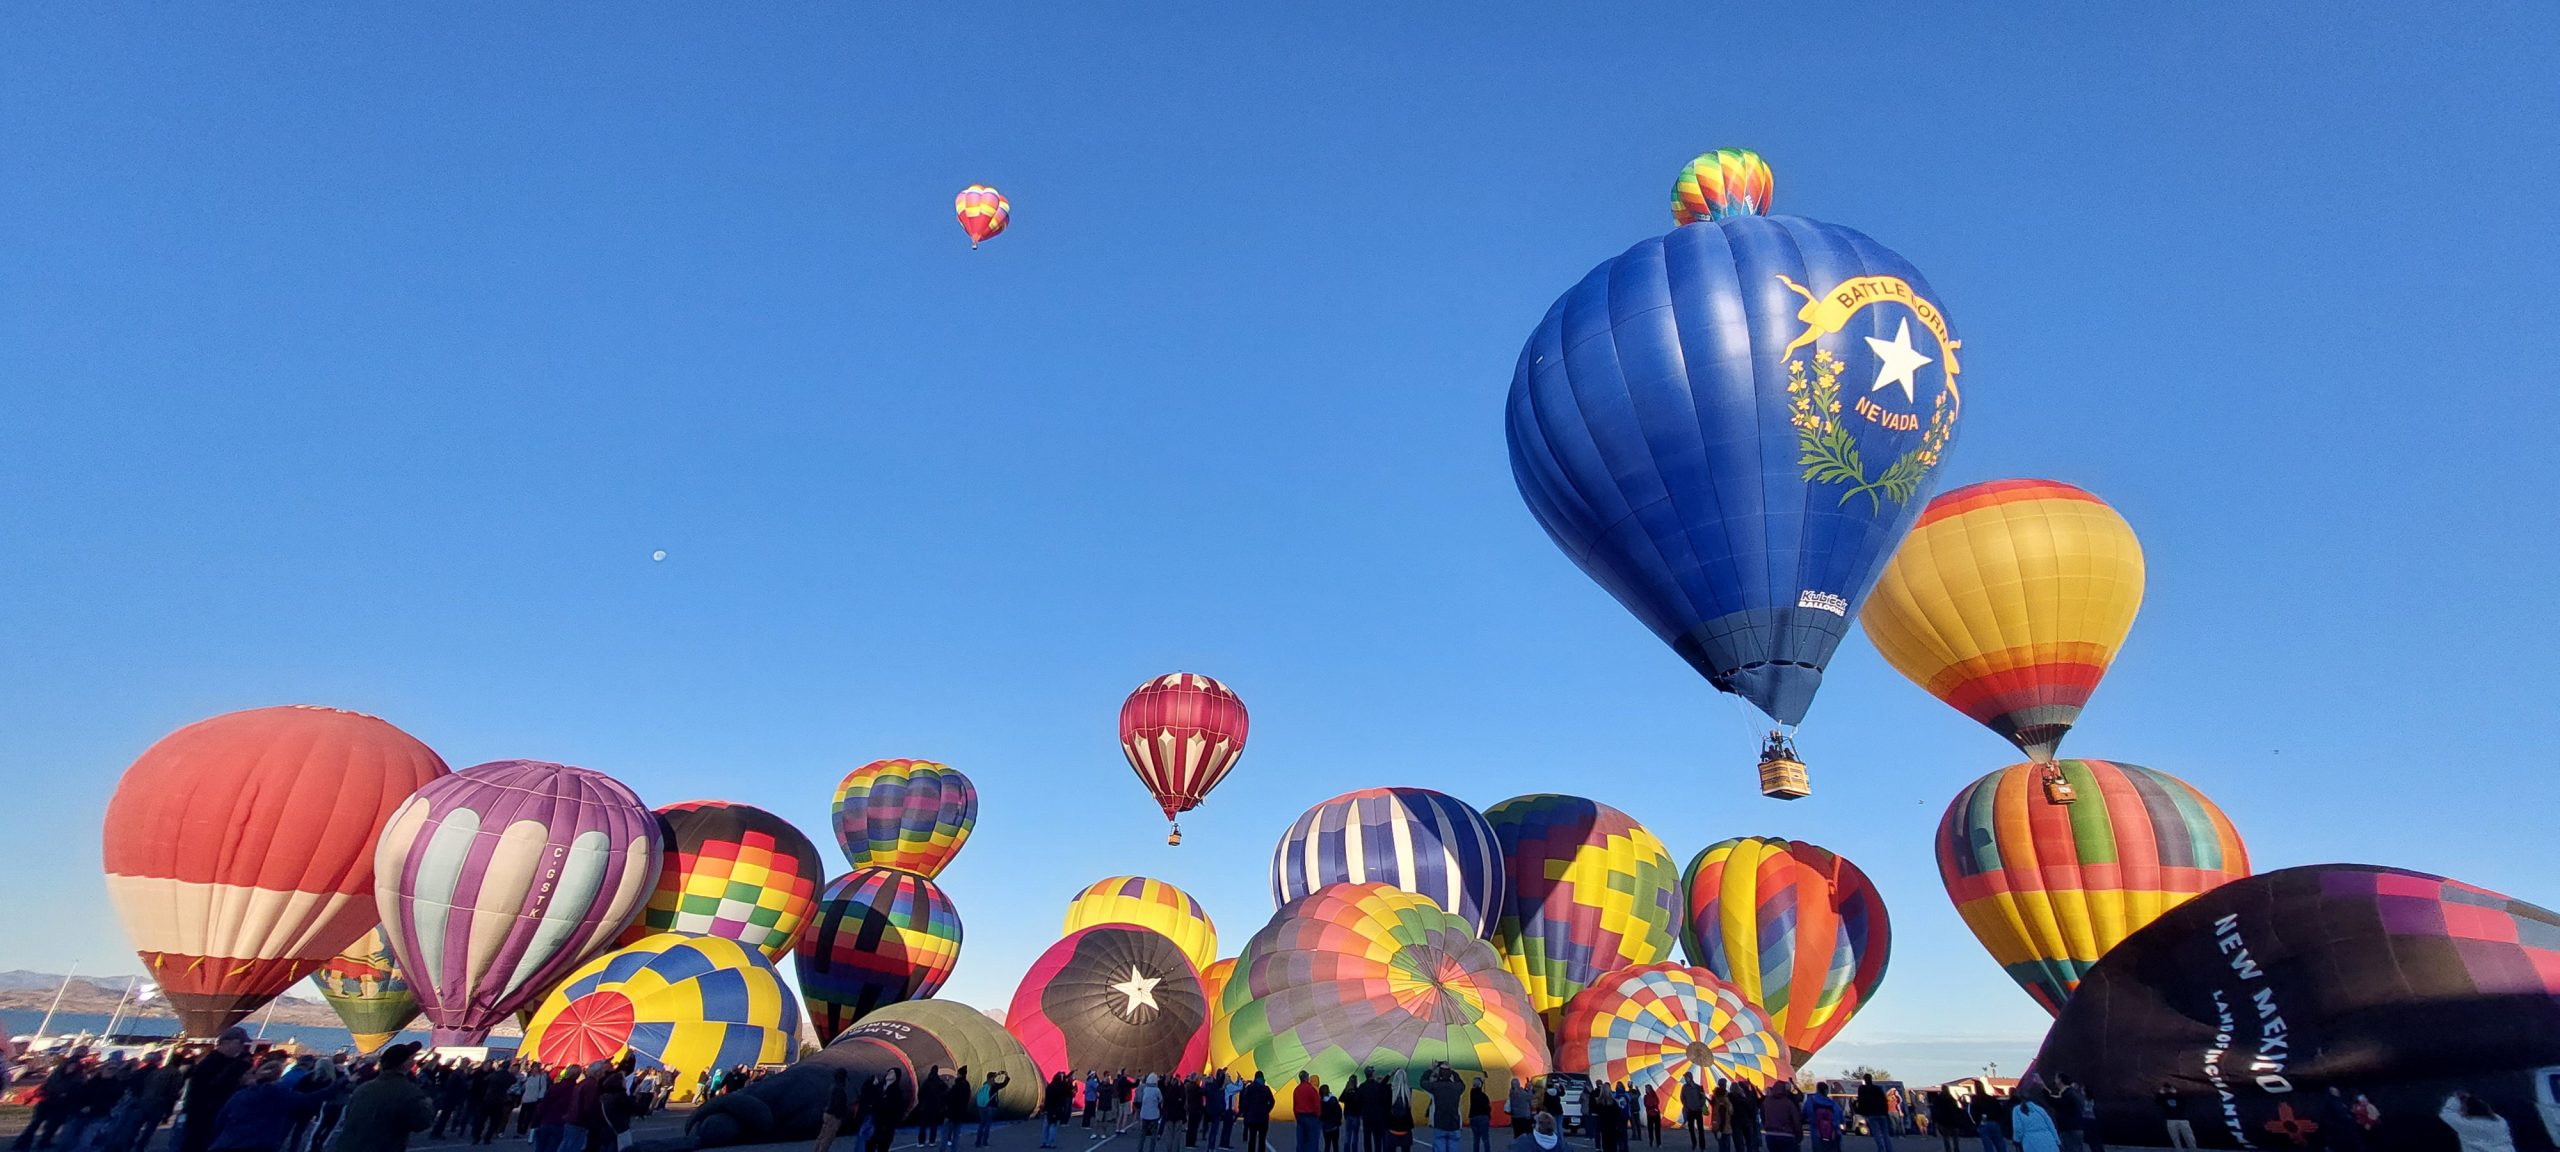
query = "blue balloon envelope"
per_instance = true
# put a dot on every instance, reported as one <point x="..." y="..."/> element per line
<point x="1730" y="428"/>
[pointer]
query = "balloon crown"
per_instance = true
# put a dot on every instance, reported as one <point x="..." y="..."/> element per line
<point x="1722" y="183"/>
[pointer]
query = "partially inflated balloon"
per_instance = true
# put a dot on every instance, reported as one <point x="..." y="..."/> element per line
<point x="2048" y="888"/>
<point x="1655" y="1025"/>
<point x="1111" y="997"/>
<point x="1720" y="184"/>
<point x="1181" y="733"/>
<point x="2258" y="999"/>
<point x="880" y="936"/>
<point x="363" y="984"/>
<point x="1372" y="976"/>
<point x="983" y="212"/>
<point x="1150" y="904"/>
<point x="1213" y="980"/>
<point x="734" y="871"/>
<point x="498" y="881"/>
<point x="911" y="815"/>
<point x="240" y="850"/>
<point x="1729" y="428"/>
<point x="1414" y="838"/>
<point x="683" y="1003"/>
<point x="911" y="1037"/>
<point x="1800" y="930"/>
<point x="2008" y="601"/>
<point x="1590" y="891"/>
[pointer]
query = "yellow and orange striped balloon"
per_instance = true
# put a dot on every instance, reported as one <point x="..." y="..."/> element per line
<point x="983" y="212"/>
<point x="2008" y="600"/>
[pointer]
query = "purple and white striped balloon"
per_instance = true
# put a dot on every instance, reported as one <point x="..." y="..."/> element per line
<point x="496" y="882"/>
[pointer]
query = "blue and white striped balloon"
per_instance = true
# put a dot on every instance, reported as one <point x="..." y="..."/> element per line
<point x="1424" y="842"/>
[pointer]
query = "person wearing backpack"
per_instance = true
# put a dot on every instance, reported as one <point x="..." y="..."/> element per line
<point x="1822" y="1119"/>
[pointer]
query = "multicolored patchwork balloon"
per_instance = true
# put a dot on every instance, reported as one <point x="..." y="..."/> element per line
<point x="1722" y="183"/>
<point x="1145" y="903"/>
<point x="1359" y="976"/>
<point x="1181" y="733"/>
<point x="1589" y="891"/>
<point x="1419" y="840"/>
<point x="240" y="850"/>
<point x="2008" y="600"/>
<point x="1111" y="997"/>
<point x="983" y="212"/>
<point x="363" y="984"/>
<point x="1654" y="1026"/>
<point x="911" y="815"/>
<point x="1798" y="928"/>
<point x="673" y="1001"/>
<point x="498" y="881"/>
<point x="735" y="871"/>
<point x="880" y="936"/>
<point x="2049" y="888"/>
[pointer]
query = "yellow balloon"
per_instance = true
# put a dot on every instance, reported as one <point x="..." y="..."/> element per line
<point x="1151" y="904"/>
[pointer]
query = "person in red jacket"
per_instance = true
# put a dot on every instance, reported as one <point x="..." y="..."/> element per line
<point x="1306" y="1111"/>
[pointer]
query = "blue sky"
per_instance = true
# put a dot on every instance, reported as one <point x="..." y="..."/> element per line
<point x="362" y="354"/>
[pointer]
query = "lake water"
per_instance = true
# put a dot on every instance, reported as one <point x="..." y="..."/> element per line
<point x="18" y="1022"/>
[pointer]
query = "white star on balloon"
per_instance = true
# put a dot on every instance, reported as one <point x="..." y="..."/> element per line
<point x="1900" y="360"/>
<point x="1139" y="990"/>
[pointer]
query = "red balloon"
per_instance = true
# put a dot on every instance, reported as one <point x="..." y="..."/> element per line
<point x="239" y="850"/>
<point x="1182" y="732"/>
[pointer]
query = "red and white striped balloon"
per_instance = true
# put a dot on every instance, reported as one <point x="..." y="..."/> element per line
<point x="1182" y="732"/>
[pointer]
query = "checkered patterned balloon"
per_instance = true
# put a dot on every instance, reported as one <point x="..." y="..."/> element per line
<point x="912" y="815"/>
<point x="1590" y="891"/>
<point x="1655" y="1025"/>
<point x="1147" y="903"/>
<point x="734" y="871"/>
<point x="1371" y="975"/>
<point x="682" y="1003"/>
<point x="880" y="936"/>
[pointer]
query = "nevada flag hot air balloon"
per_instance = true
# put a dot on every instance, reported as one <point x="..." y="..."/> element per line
<point x="1729" y="428"/>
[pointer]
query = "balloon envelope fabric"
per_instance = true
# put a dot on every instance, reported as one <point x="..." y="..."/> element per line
<point x="1181" y="733"/>
<point x="1799" y="929"/>
<point x="735" y="871"/>
<point x="880" y="936"/>
<point x="912" y="815"/>
<point x="1111" y="997"/>
<point x="1146" y="903"/>
<point x="918" y="1035"/>
<point x="363" y="983"/>
<point x="2048" y="888"/>
<point x="1654" y="1025"/>
<point x="1589" y="891"/>
<point x="239" y="850"/>
<point x="1729" y="428"/>
<point x="1414" y="838"/>
<point x="2260" y="996"/>
<point x="496" y="882"/>
<point x="683" y="1003"/>
<point x="1370" y="975"/>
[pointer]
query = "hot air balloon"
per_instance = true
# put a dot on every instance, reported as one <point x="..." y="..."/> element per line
<point x="1590" y="891"/>
<point x="734" y="871"/>
<point x="2257" y="999"/>
<point x="1798" y="929"/>
<point x="911" y="815"/>
<point x="1150" y="904"/>
<point x="239" y="850"/>
<point x="1722" y="184"/>
<point x="363" y="984"/>
<point x="1414" y="838"/>
<point x="673" y="1001"/>
<point x="2048" y="889"/>
<point x="1213" y="983"/>
<point x="1370" y="975"/>
<point x="2007" y="601"/>
<point x="1182" y="732"/>
<point x="1737" y="459"/>
<point x="1111" y="997"/>
<point x="881" y="936"/>
<point x="912" y="1037"/>
<point x="1654" y="1025"/>
<point x="983" y="212"/>
<point x="497" y="882"/>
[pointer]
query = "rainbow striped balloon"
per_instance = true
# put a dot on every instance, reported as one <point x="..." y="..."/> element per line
<point x="2048" y="888"/>
<point x="911" y="815"/>
<point x="1799" y="929"/>
<point x="1722" y="183"/>
<point x="1141" y="902"/>
<point x="1653" y="1025"/>
<point x="880" y="936"/>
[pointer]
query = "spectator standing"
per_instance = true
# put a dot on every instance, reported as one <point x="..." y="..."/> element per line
<point x="1057" y="1102"/>
<point x="1782" y="1118"/>
<point x="382" y="1112"/>
<point x="1479" y="1117"/>
<point x="1448" y="1105"/>
<point x="1306" y="1113"/>
<point x="210" y="1084"/>
<point x="1254" y="1105"/>
<point x="1329" y="1116"/>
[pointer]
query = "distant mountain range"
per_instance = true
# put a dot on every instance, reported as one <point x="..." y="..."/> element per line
<point x="98" y="995"/>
